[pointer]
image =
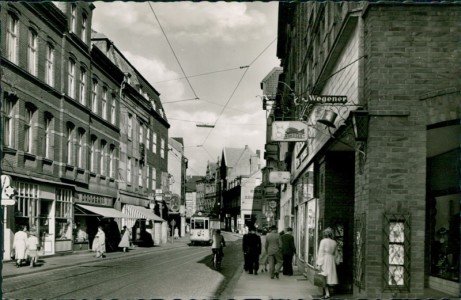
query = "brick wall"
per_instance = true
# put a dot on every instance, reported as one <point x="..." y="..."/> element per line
<point x="411" y="51"/>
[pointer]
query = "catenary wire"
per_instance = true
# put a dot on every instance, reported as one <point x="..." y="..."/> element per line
<point x="235" y="89"/>
<point x="174" y="53"/>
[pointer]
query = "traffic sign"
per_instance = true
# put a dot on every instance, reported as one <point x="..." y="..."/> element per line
<point x="8" y="202"/>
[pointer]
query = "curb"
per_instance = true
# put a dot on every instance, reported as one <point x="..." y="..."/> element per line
<point x="16" y="272"/>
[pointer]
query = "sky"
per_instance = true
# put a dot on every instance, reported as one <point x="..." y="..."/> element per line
<point x="209" y="42"/>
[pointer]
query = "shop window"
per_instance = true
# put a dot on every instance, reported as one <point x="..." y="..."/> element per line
<point x="445" y="238"/>
<point x="63" y="214"/>
<point x="311" y="221"/>
<point x="302" y="232"/>
<point x="396" y="247"/>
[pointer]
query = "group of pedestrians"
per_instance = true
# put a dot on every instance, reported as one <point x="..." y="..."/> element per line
<point x="280" y="250"/>
<point x="25" y="246"/>
<point x="99" y="242"/>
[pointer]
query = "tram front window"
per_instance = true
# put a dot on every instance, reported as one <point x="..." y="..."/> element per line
<point x="198" y="224"/>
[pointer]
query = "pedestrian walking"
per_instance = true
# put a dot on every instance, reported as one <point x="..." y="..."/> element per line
<point x="32" y="248"/>
<point x="288" y="250"/>
<point x="20" y="245"/>
<point x="326" y="261"/>
<point x="176" y="233"/>
<point x="217" y="247"/>
<point x="274" y="254"/>
<point x="251" y="245"/>
<point x="99" y="243"/>
<point x="125" y="241"/>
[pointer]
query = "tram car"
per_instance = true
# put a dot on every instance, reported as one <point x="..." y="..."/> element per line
<point x="202" y="226"/>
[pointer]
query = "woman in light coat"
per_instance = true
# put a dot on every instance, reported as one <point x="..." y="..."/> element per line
<point x="125" y="241"/>
<point x="326" y="261"/>
<point x="20" y="245"/>
<point x="99" y="243"/>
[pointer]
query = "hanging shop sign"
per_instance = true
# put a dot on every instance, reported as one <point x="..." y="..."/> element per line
<point x="289" y="131"/>
<point x="321" y="99"/>
<point x="279" y="177"/>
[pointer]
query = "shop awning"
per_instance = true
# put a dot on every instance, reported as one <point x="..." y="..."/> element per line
<point x="105" y="211"/>
<point x="140" y="212"/>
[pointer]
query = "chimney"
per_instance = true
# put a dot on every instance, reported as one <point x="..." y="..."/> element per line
<point x="258" y="153"/>
<point x="246" y="147"/>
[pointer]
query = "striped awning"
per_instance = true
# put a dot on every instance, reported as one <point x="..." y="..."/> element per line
<point x="107" y="212"/>
<point x="138" y="212"/>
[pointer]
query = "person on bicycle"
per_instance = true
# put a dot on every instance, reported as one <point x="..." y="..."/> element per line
<point x="218" y="244"/>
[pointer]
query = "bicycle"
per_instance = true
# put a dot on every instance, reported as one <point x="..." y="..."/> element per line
<point x="217" y="258"/>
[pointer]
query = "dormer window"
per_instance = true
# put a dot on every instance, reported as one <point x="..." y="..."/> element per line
<point x="84" y="32"/>
<point x="73" y="18"/>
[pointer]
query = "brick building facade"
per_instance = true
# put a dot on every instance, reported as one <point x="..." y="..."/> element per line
<point x="61" y="126"/>
<point x="396" y="219"/>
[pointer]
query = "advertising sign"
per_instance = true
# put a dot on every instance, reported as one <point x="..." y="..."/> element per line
<point x="289" y="131"/>
<point x="279" y="177"/>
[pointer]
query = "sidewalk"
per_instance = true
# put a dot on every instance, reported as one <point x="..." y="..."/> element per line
<point x="262" y="287"/>
<point x="46" y="263"/>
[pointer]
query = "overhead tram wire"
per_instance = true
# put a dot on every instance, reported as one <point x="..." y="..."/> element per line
<point x="204" y="74"/>
<point x="235" y="89"/>
<point x="174" y="53"/>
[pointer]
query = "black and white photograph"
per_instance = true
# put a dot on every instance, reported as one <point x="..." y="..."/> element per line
<point x="230" y="149"/>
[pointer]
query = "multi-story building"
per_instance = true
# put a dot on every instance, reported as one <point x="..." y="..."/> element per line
<point x="235" y="164"/>
<point x="272" y="206"/>
<point x="177" y="167"/>
<point x="377" y="86"/>
<point x="63" y="131"/>
<point x="191" y="196"/>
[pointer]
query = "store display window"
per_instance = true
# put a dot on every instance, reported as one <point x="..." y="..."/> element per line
<point x="445" y="240"/>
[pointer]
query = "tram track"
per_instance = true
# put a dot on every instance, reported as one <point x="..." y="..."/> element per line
<point x="48" y="280"/>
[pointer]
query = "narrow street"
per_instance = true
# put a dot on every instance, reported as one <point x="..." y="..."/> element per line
<point x="182" y="272"/>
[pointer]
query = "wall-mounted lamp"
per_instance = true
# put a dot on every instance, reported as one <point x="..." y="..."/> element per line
<point x="360" y="119"/>
<point x="328" y="118"/>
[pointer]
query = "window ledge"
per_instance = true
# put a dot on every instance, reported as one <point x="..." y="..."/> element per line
<point x="92" y="174"/>
<point x="29" y="156"/>
<point x="69" y="167"/>
<point x="102" y="177"/>
<point x="9" y="150"/>
<point x="80" y="170"/>
<point x="47" y="161"/>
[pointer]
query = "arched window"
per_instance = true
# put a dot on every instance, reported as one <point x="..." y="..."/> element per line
<point x="32" y="52"/>
<point x="12" y="38"/>
<point x="69" y="143"/>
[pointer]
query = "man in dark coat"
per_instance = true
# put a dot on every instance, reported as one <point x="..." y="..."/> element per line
<point x="251" y="245"/>
<point x="288" y="250"/>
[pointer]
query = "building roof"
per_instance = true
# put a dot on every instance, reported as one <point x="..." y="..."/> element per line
<point x="233" y="156"/>
<point x="175" y="144"/>
<point x="270" y="82"/>
<point x="191" y="182"/>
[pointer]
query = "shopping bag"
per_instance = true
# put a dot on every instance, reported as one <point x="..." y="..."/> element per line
<point x="320" y="280"/>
